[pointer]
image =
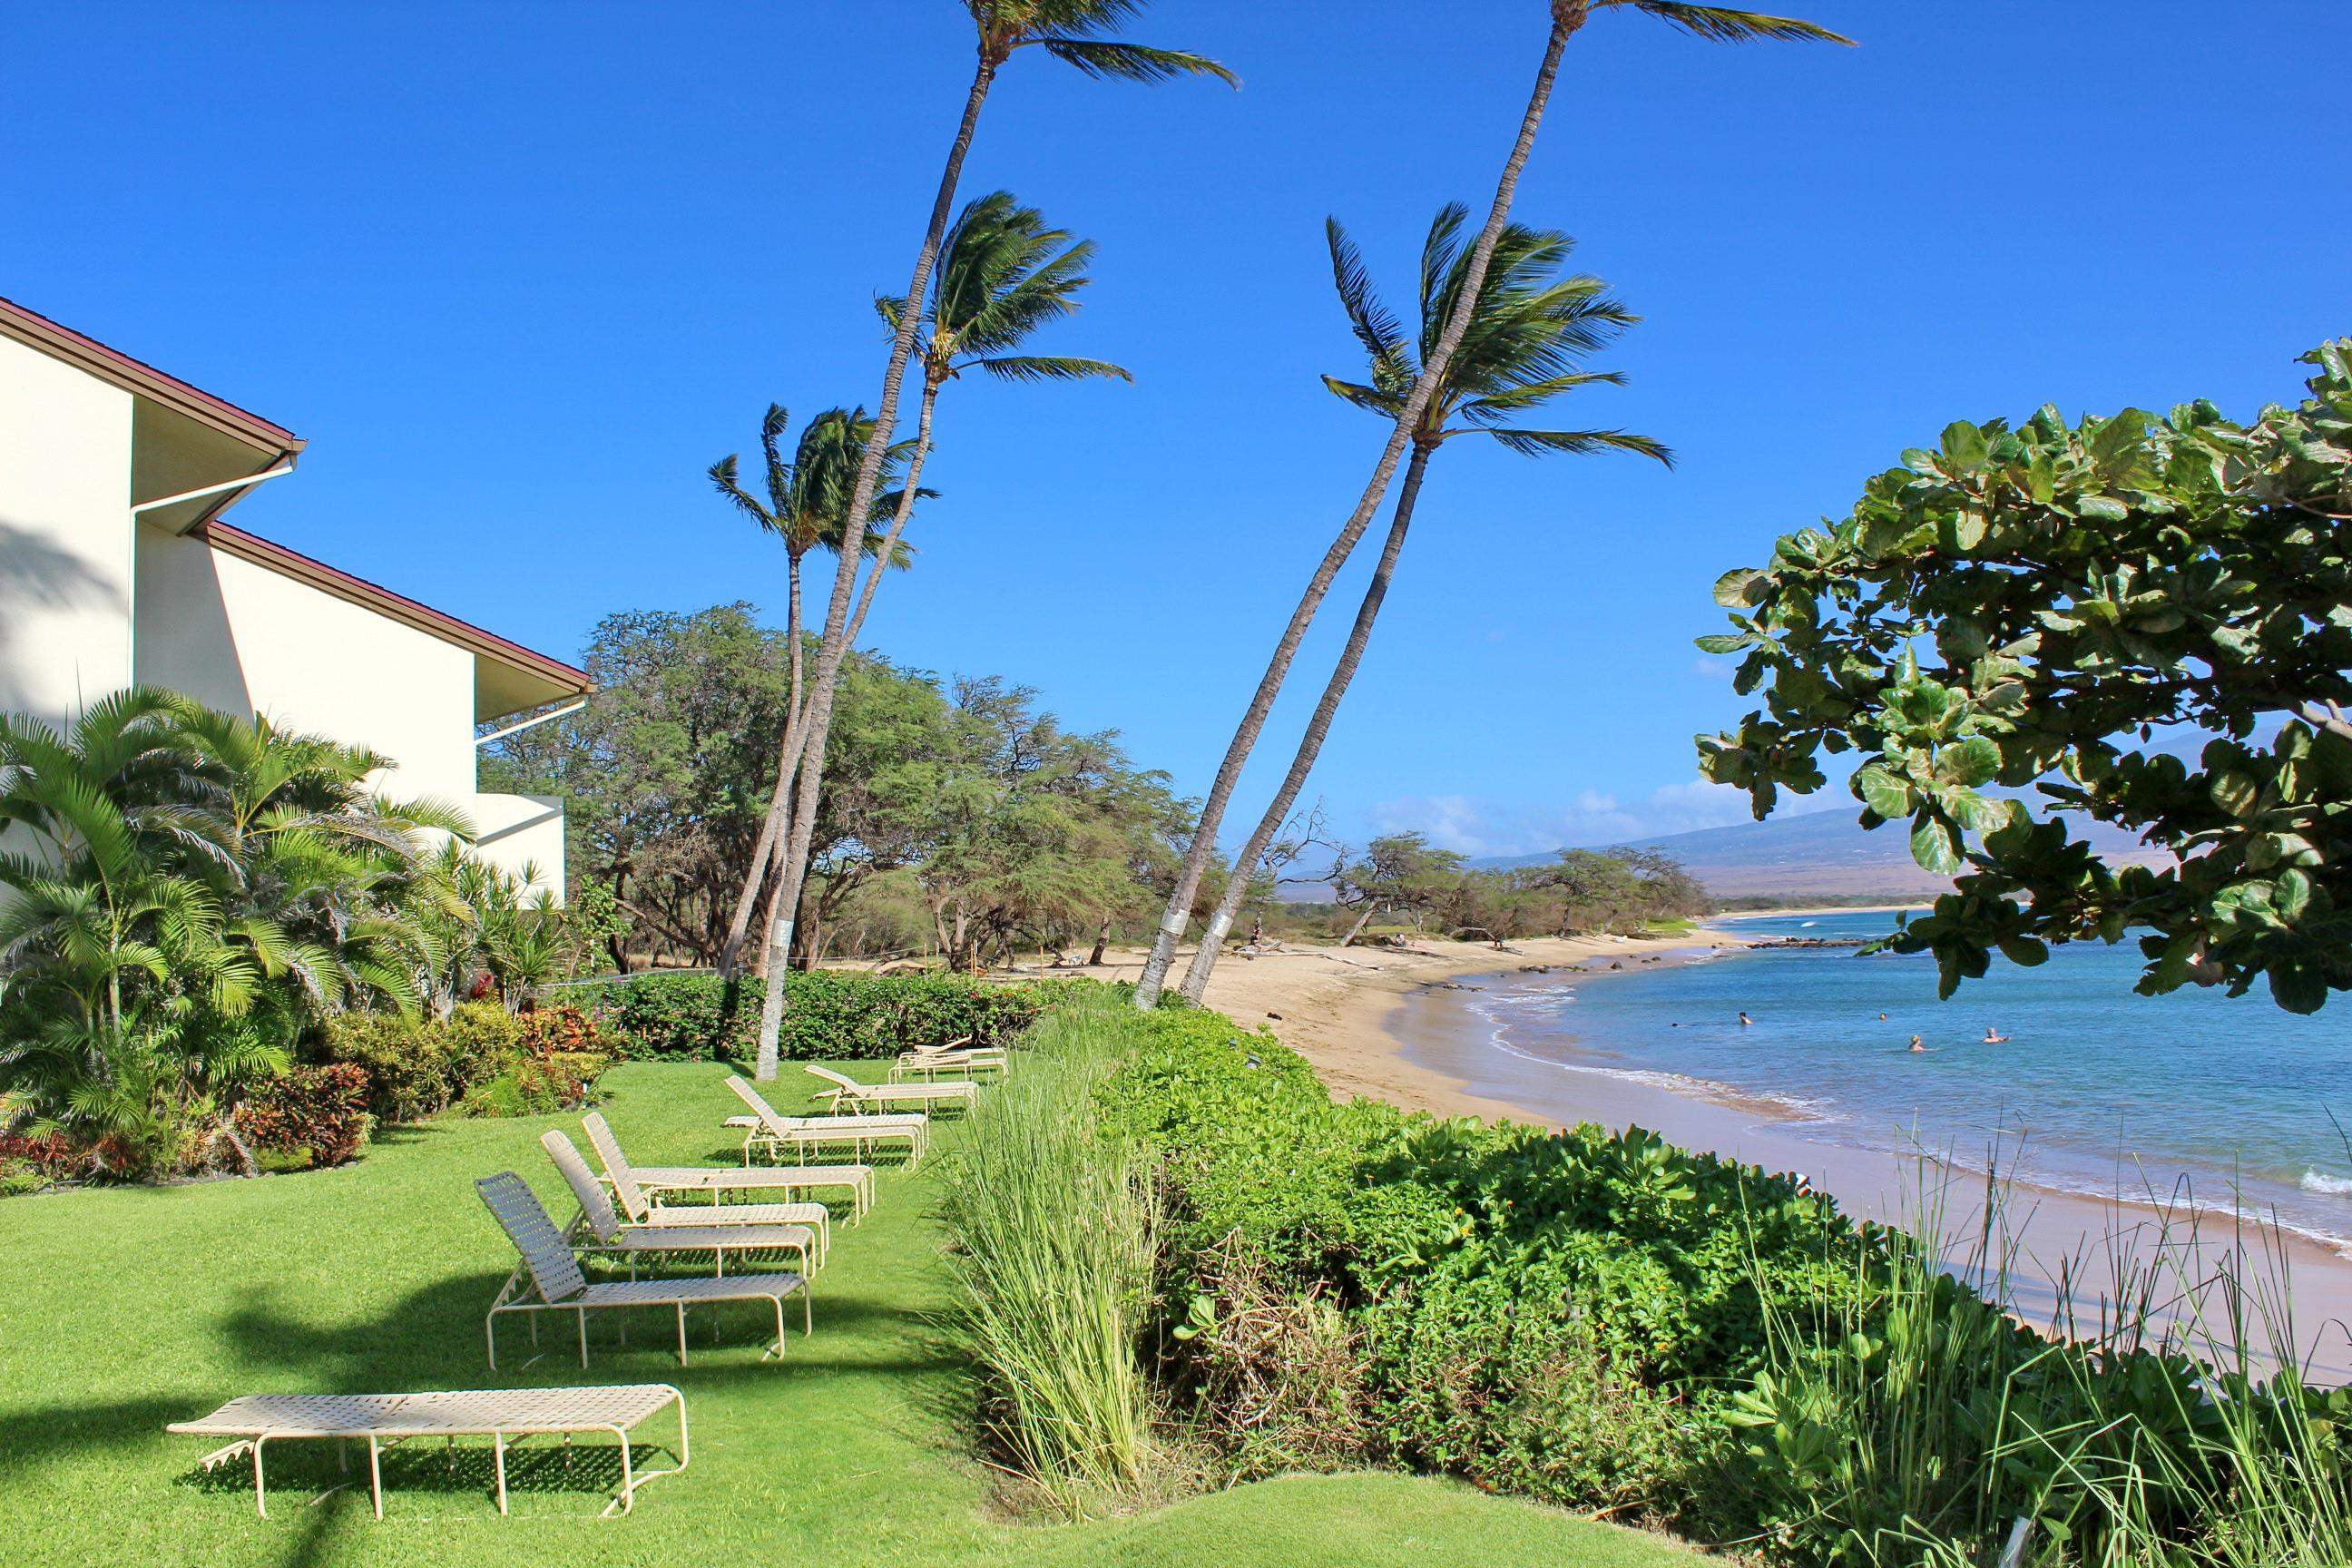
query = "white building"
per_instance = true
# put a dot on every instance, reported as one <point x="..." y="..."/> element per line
<point x="116" y="567"/>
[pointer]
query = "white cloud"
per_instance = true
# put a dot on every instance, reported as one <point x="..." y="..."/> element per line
<point x="1714" y="668"/>
<point x="1473" y="826"/>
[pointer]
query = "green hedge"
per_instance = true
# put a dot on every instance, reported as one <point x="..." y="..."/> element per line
<point x="1607" y="1322"/>
<point x="481" y="1060"/>
<point x="829" y="1014"/>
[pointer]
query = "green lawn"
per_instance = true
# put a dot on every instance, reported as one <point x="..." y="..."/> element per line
<point x="122" y="1309"/>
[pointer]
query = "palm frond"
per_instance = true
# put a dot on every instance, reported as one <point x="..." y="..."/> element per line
<point x="1370" y="399"/>
<point x="1541" y="443"/>
<point x="1033" y="367"/>
<point x="1374" y="326"/>
<point x="1108" y="61"/>
<point x="1725" y="25"/>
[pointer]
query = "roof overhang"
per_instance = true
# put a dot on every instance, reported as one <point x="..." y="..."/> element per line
<point x="509" y="678"/>
<point x="182" y="437"/>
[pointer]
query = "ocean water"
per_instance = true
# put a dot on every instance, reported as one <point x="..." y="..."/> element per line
<point x="2096" y="1089"/>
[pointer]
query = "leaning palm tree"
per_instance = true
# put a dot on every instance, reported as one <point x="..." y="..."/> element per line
<point x="1713" y="22"/>
<point x="1003" y="273"/>
<point x="1529" y="332"/>
<point x="1080" y="34"/>
<point x="806" y="506"/>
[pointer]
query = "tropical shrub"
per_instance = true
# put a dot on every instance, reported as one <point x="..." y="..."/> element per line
<point x="829" y="1014"/>
<point x="307" y="1116"/>
<point x="192" y="892"/>
<point x="481" y="1060"/>
<point x="412" y="1071"/>
<point x="1606" y="1322"/>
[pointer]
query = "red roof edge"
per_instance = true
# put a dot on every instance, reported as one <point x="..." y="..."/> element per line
<point x="398" y="606"/>
<point x="138" y="374"/>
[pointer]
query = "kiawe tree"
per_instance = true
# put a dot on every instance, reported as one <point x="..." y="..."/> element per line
<point x="1080" y="34"/>
<point x="2051" y="610"/>
<point x="1527" y="337"/>
<point x="1717" y="23"/>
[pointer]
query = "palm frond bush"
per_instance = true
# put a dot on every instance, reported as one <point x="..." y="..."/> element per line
<point x="183" y="894"/>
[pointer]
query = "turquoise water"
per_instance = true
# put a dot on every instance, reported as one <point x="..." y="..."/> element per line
<point x="2095" y="1085"/>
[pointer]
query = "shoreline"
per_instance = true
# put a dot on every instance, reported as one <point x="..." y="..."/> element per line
<point x="1390" y="1025"/>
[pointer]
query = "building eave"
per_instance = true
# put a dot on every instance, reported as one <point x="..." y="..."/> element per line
<point x="275" y="557"/>
<point x="114" y="366"/>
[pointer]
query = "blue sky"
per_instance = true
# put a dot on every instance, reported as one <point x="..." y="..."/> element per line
<point x="520" y="272"/>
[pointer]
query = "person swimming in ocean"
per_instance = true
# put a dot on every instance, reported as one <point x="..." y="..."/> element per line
<point x="1917" y="1044"/>
<point x="1994" y="1037"/>
<point x="1744" y="1020"/>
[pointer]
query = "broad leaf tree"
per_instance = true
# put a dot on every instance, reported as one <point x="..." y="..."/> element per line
<point x="2142" y="621"/>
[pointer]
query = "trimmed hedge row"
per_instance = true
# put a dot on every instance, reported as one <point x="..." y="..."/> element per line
<point x="829" y="1014"/>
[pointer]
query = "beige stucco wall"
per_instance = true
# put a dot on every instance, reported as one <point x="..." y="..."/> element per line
<point x="520" y="832"/>
<point x="238" y="636"/>
<point x="242" y="637"/>
<point x="64" y="536"/>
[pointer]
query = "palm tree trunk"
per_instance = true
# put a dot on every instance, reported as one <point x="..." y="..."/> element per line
<point x="1567" y="17"/>
<point x="1311" y="745"/>
<point x="817" y="725"/>
<point x="755" y="874"/>
<point x="772" y="831"/>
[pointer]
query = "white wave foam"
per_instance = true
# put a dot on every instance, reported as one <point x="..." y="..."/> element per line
<point x="2320" y="1182"/>
<point x="1798" y="1107"/>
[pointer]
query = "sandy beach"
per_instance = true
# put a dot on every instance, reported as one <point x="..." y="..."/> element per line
<point x="1392" y="1025"/>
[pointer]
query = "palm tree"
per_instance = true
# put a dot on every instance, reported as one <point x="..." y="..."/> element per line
<point x="322" y="879"/>
<point x="1078" y="33"/>
<point x="118" y="988"/>
<point x="1003" y="273"/>
<point x="1529" y="332"/>
<point x="807" y="508"/>
<point x="1568" y="16"/>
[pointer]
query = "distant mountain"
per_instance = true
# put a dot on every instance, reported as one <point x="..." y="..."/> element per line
<point x="1816" y="855"/>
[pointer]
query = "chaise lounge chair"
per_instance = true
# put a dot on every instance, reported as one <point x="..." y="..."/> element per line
<point x="848" y="1093"/>
<point x="609" y="1234"/>
<point x="957" y="1059"/>
<point x="550" y="1279"/>
<point x="640" y="1208"/>
<point x="656" y="1181"/>
<point x="770" y="1130"/>
<point x="386" y="1419"/>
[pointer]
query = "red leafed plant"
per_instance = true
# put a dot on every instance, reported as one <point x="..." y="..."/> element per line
<point x="320" y="1111"/>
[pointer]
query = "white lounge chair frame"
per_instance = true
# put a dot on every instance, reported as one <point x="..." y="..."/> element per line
<point x="848" y="1090"/>
<point x="388" y="1419"/>
<point x="658" y="1181"/>
<point x="643" y="1208"/>
<point x="770" y="1130"/>
<point x="957" y="1059"/>
<point x="608" y="1234"/>
<point x="550" y="1280"/>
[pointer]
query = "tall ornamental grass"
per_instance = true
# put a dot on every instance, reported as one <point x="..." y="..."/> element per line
<point x="2163" y="1422"/>
<point x="1052" y="1226"/>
